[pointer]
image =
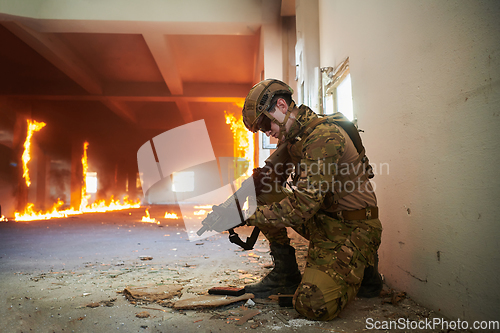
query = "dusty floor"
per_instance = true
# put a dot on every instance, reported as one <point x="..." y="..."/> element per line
<point x="68" y="275"/>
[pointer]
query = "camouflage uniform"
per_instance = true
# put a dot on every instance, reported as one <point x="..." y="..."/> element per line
<point x="339" y="249"/>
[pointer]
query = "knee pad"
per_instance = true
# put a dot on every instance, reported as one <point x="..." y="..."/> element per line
<point x="319" y="296"/>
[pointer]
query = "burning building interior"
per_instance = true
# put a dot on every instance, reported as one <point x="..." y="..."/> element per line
<point x="99" y="217"/>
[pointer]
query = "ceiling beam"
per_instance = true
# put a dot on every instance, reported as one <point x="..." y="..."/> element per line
<point x="104" y="99"/>
<point x="185" y="111"/>
<point x="161" y="50"/>
<point x="190" y="89"/>
<point x="62" y="57"/>
<point x="120" y="108"/>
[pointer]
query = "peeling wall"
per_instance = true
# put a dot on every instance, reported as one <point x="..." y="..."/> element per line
<point x="426" y="90"/>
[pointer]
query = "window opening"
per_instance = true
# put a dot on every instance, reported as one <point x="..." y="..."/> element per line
<point x="336" y="90"/>
<point x="91" y="182"/>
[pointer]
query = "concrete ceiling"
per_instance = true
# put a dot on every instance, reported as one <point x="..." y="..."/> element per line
<point x="129" y="72"/>
<point x="126" y="71"/>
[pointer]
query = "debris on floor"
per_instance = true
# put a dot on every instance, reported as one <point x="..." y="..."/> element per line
<point x="393" y="297"/>
<point x="152" y="294"/>
<point x="246" y="315"/>
<point x="77" y="290"/>
<point x="209" y="301"/>
<point x="143" y="314"/>
<point x="108" y="303"/>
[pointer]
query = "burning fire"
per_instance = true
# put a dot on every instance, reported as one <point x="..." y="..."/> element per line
<point x="243" y="140"/>
<point x="33" y="126"/>
<point x="171" y="216"/>
<point x="85" y="167"/>
<point x="148" y="218"/>
<point x="3" y="218"/>
<point x="203" y="207"/>
<point x="29" y="214"/>
<point x="100" y="206"/>
<point x="200" y="212"/>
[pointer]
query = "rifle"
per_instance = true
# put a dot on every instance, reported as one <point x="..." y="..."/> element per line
<point x="259" y="185"/>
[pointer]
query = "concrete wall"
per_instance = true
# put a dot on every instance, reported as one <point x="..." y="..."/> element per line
<point x="426" y="91"/>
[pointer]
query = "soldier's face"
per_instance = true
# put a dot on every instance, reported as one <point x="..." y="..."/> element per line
<point x="279" y="113"/>
<point x="275" y="129"/>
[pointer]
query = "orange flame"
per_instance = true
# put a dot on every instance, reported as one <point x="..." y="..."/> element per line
<point x="29" y="214"/>
<point x="243" y="140"/>
<point x="33" y="126"/>
<point x="203" y="207"/>
<point x="3" y="218"/>
<point x="149" y="219"/>
<point x="85" y="167"/>
<point x="171" y="216"/>
<point x="100" y="206"/>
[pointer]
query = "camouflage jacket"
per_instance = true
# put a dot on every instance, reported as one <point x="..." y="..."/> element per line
<point x="318" y="155"/>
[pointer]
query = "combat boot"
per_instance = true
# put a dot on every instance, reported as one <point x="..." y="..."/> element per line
<point x="372" y="283"/>
<point x="283" y="279"/>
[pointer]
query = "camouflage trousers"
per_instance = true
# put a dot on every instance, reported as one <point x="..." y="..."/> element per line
<point x="339" y="251"/>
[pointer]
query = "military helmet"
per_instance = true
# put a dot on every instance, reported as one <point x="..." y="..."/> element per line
<point x="258" y="100"/>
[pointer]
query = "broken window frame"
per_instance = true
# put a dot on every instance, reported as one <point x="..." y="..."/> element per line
<point x="331" y="78"/>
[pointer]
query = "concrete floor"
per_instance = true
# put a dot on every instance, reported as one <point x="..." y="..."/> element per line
<point x="50" y="271"/>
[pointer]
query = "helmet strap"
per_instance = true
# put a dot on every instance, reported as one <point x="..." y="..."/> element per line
<point x="283" y="124"/>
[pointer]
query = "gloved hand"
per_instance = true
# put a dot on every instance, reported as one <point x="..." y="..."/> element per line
<point x="262" y="179"/>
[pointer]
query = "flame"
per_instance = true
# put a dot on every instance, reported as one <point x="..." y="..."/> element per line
<point x="85" y="166"/>
<point x="243" y="139"/>
<point x="203" y="207"/>
<point x="171" y="216"/>
<point x="3" y="218"/>
<point x="33" y="126"/>
<point x="29" y="214"/>
<point x="100" y="206"/>
<point x="148" y="218"/>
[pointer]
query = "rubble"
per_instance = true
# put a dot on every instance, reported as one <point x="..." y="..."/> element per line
<point x="108" y="303"/>
<point x="208" y="301"/>
<point x="143" y="314"/>
<point x="45" y="289"/>
<point x="152" y="294"/>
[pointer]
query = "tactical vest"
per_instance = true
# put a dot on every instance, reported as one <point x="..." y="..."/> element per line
<point x="361" y="172"/>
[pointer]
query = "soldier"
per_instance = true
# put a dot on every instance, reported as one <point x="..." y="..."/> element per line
<point x="330" y="201"/>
